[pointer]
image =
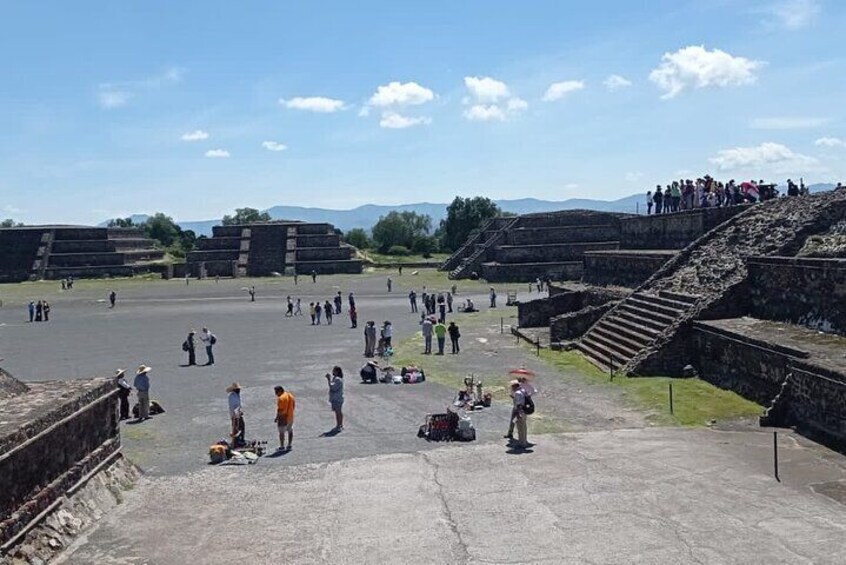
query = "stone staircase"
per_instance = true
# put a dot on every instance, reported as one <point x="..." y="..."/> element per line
<point x="467" y="249"/>
<point x="474" y="261"/>
<point x="632" y="326"/>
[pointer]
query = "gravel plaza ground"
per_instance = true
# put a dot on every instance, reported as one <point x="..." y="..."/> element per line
<point x="601" y="485"/>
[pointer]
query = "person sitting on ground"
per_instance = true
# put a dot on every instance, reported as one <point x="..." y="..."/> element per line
<point x="469" y="306"/>
<point x="369" y="372"/>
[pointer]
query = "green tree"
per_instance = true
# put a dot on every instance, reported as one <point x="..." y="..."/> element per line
<point x="463" y="216"/>
<point x="121" y="223"/>
<point x="400" y="228"/>
<point x="162" y="228"/>
<point x="357" y="237"/>
<point x="246" y="216"/>
<point x="10" y="223"/>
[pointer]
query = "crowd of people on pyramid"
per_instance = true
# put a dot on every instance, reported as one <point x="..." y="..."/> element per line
<point x="706" y="192"/>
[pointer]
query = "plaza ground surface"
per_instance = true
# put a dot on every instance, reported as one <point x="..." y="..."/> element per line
<point x="603" y="484"/>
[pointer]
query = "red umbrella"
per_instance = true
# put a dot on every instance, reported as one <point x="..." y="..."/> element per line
<point x="522" y="372"/>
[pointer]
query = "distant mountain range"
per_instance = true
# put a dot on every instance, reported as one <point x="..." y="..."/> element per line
<point x="365" y="216"/>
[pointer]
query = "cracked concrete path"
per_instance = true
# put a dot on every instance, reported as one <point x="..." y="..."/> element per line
<point x="620" y="496"/>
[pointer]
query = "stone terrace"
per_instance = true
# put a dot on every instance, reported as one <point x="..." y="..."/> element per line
<point x="54" y="252"/>
<point x="273" y="247"/>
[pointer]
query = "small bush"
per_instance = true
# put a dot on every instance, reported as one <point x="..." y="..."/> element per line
<point x="398" y="250"/>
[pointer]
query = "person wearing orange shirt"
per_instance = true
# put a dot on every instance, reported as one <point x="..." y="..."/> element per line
<point x="284" y="416"/>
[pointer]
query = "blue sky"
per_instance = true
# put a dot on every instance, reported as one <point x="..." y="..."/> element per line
<point x="195" y="108"/>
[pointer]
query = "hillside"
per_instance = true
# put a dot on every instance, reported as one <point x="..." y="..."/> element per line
<point x="365" y="216"/>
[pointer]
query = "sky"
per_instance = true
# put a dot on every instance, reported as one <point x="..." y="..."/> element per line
<point x="195" y="108"/>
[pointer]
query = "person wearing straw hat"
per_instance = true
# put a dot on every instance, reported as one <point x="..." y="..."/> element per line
<point x="236" y="415"/>
<point x="142" y="390"/>
<point x="518" y="415"/>
<point x="123" y="393"/>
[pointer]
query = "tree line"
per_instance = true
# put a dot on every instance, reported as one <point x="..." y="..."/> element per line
<point x="396" y="233"/>
<point x="403" y="233"/>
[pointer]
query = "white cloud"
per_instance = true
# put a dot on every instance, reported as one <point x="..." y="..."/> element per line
<point x="559" y="90"/>
<point x="793" y="14"/>
<point x="319" y="104"/>
<point x="696" y="67"/>
<point x="401" y="94"/>
<point x="9" y="209"/>
<point x="634" y="177"/>
<point x="484" y="113"/>
<point x="217" y="153"/>
<point x="393" y="120"/>
<point x="486" y="89"/>
<point x="197" y="135"/>
<point x="616" y="82"/>
<point x="770" y="157"/>
<point x="274" y="146"/>
<point x="830" y="142"/>
<point x="116" y="94"/>
<point x="109" y="98"/>
<point x="490" y="100"/>
<point x="517" y="104"/>
<point x="571" y="185"/>
<point x="787" y="122"/>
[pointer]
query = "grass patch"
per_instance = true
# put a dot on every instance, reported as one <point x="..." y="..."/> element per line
<point x="435" y="258"/>
<point x="695" y="402"/>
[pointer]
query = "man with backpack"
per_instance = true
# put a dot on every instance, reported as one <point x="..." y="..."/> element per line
<point x="188" y="347"/>
<point x="209" y="340"/>
<point x="522" y="406"/>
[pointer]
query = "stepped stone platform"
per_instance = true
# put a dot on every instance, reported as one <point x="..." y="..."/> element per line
<point x="53" y="436"/>
<point x="524" y="248"/>
<point x="712" y="273"/>
<point x="274" y="247"/>
<point x="53" y="252"/>
<point x="627" y="267"/>
<point x="800" y="373"/>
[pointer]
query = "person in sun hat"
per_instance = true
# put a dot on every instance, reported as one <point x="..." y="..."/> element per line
<point x="236" y="414"/>
<point x="123" y="393"/>
<point x="518" y="415"/>
<point x="142" y="390"/>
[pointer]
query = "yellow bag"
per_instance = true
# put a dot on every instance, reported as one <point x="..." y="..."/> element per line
<point x="217" y="454"/>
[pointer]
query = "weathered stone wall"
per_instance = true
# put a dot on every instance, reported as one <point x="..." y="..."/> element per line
<point x="672" y="231"/>
<point x="728" y="361"/>
<point x="65" y="429"/>
<point x="81" y="233"/>
<point x="562" y="234"/>
<point x="816" y="403"/>
<point x="351" y="267"/>
<point x="573" y="325"/>
<point x="75" y="516"/>
<point x="318" y="240"/>
<point x="218" y="243"/>
<point x="538" y="312"/>
<point x="547" y="253"/>
<point x="323" y="253"/>
<point x="622" y="267"/>
<point x="570" y="218"/>
<point x="18" y="249"/>
<point x="267" y="249"/>
<point x="86" y="259"/>
<point x="83" y="246"/>
<point x="809" y="292"/>
<point x="522" y="272"/>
